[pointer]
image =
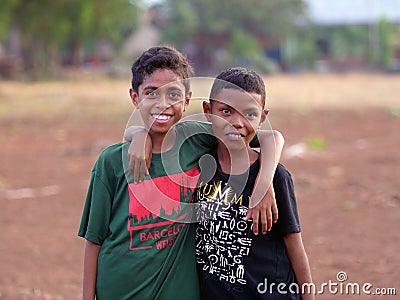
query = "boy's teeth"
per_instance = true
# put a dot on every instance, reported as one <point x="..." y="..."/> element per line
<point x="161" y="117"/>
<point x="234" y="135"/>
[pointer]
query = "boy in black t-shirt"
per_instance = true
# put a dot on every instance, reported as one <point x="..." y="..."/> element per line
<point x="233" y="263"/>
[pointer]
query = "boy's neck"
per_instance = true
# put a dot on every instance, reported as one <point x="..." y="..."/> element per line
<point x="236" y="161"/>
<point x="162" y="142"/>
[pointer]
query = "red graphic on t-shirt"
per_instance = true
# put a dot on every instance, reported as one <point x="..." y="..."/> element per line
<point x="160" y="202"/>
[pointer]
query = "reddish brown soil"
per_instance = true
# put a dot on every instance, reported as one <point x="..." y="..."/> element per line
<point x="348" y="194"/>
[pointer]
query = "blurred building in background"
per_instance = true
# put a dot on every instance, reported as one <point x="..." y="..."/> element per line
<point x="358" y="34"/>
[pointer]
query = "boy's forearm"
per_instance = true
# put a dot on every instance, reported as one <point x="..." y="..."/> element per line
<point x="139" y="152"/>
<point x="299" y="260"/>
<point x="90" y="270"/>
<point x="271" y="145"/>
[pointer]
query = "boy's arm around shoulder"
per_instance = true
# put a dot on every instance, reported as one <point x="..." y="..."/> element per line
<point x="140" y="149"/>
<point x="262" y="203"/>
<point x="299" y="260"/>
<point x="139" y="152"/>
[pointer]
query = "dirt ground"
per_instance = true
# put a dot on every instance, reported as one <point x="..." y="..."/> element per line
<point x="342" y="148"/>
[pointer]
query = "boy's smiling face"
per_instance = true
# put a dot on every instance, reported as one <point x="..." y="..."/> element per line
<point x="161" y="100"/>
<point x="235" y="116"/>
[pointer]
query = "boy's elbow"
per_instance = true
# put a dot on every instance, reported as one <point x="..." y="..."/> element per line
<point x="126" y="137"/>
<point x="271" y="135"/>
<point x="278" y="136"/>
<point x="128" y="134"/>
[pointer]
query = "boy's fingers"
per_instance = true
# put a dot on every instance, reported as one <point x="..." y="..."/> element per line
<point x="131" y="166"/>
<point x="141" y="172"/>
<point x="269" y="218"/>
<point x="146" y="168"/>
<point x="264" y="222"/>
<point x="255" y="222"/>
<point x="248" y="215"/>
<point x="275" y="212"/>
<point x="136" y="172"/>
<point x="148" y="162"/>
<point x="255" y="225"/>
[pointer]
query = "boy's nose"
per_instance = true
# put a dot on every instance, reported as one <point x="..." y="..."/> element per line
<point x="237" y="120"/>
<point x="163" y="101"/>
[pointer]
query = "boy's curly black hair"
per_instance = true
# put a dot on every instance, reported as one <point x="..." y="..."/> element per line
<point x="161" y="57"/>
<point x="239" y="78"/>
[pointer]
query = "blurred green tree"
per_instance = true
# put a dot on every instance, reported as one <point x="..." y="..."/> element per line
<point x="46" y="28"/>
<point x="386" y="49"/>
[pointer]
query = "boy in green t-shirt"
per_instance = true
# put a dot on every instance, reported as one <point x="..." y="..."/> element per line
<point x="139" y="244"/>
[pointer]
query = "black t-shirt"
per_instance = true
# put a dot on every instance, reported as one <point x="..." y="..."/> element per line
<point x="232" y="262"/>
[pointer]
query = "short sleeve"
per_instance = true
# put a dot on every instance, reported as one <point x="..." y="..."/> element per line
<point x="97" y="209"/>
<point x="288" y="220"/>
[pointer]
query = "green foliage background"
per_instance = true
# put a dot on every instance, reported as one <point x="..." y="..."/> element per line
<point x="218" y="33"/>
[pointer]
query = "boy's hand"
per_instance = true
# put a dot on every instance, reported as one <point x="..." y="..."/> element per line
<point x="266" y="211"/>
<point x="139" y="154"/>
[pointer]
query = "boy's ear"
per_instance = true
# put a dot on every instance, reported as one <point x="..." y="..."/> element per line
<point x="187" y="100"/>
<point x="207" y="110"/>
<point x="264" y="115"/>
<point x="134" y="97"/>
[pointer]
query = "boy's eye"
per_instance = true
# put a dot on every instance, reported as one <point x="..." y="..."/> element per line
<point x="175" y="95"/>
<point x="226" y="111"/>
<point x="251" y="114"/>
<point x="151" y="94"/>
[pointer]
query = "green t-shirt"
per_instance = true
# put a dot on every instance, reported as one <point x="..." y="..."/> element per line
<point x="147" y="249"/>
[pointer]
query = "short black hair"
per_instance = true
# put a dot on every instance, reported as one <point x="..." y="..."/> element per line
<point x="241" y="79"/>
<point x="161" y="57"/>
